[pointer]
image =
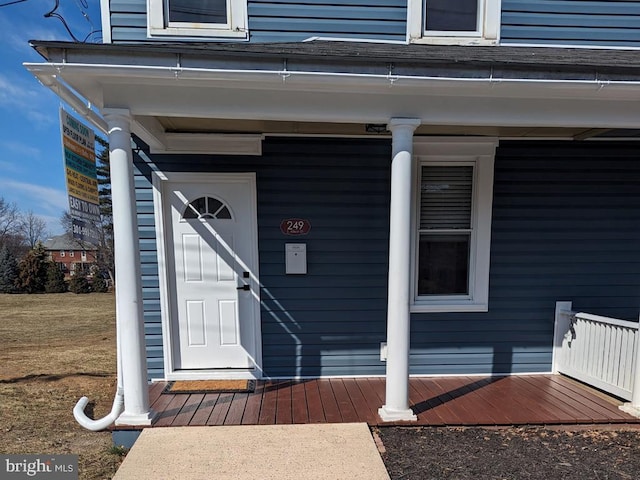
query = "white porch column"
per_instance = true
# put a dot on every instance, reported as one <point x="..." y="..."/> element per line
<point x="397" y="390"/>
<point x="129" y="318"/>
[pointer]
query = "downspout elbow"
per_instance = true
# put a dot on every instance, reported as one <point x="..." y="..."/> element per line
<point x="104" y="422"/>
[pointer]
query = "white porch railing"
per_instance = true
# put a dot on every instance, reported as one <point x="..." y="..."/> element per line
<point x="598" y="351"/>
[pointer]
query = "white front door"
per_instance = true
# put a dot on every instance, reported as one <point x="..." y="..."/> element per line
<point x="216" y="292"/>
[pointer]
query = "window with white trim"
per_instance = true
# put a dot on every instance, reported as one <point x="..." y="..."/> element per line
<point x="454" y="21"/>
<point x="198" y="18"/>
<point x="452" y="228"/>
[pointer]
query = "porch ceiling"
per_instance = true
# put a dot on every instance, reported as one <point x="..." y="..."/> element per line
<point x="170" y="89"/>
<point x="268" y="127"/>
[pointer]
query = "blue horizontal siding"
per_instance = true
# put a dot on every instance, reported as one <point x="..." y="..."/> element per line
<point x="325" y="11"/>
<point x="341" y="187"/>
<point x="326" y="26"/>
<point x="286" y="20"/>
<point x="568" y="22"/>
<point x="593" y="7"/>
<point x="150" y="279"/>
<point x="565" y="227"/>
<point x="571" y="22"/>
<point x="571" y="35"/>
<point x="130" y="6"/>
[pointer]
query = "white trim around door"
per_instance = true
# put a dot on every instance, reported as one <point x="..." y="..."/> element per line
<point x="246" y="274"/>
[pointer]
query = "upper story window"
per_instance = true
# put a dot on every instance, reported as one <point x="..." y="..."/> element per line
<point x="198" y="18"/>
<point x="456" y="22"/>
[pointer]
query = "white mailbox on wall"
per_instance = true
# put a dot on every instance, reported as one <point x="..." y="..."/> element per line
<point x="295" y="258"/>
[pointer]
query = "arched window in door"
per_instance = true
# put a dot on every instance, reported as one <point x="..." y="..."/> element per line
<point x="208" y="208"/>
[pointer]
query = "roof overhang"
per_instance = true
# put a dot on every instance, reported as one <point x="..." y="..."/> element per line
<point x="153" y="83"/>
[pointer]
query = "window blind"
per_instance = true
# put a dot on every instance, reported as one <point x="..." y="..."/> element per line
<point x="445" y="197"/>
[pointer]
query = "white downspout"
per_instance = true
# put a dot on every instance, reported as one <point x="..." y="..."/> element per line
<point x="396" y="405"/>
<point x="118" y="401"/>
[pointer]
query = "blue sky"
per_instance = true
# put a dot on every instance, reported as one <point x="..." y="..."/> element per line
<point x="31" y="165"/>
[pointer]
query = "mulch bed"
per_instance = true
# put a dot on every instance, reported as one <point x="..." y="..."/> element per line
<point x="425" y="453"/>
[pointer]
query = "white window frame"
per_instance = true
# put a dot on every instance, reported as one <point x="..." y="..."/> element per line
<point x="62" y="253"/>
<point x="236" y="26"/>
<point x="487" y="33"/>
<point x="72" y="253"/>
<point x="458" y="151"/>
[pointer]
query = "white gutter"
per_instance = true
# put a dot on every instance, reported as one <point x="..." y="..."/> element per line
<point x="73" y="99"/>
<point x="48" y="70"/>
<point x="96" y="78"/>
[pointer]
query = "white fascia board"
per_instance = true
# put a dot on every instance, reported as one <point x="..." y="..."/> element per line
<point x="153" y="134"/>
<point x="150" y="131"/>
<point x="444" y="146"/>
<point x="374" y="108"/>
<point x="339" y="82"/>
<point x="339" y="97"/>
<point x="214" y="144"/>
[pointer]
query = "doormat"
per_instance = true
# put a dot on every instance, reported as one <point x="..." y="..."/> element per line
<point x="210" y="386"/>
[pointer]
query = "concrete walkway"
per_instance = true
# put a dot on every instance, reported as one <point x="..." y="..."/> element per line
<point x="300" y="452"/>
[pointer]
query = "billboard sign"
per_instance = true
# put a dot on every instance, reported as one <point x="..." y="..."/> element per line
<point x="78" y="145"/>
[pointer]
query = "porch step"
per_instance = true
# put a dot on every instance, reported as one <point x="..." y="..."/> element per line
<point x="311" y="451"/>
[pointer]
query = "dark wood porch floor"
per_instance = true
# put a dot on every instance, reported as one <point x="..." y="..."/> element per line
<point x="515" y="400"/>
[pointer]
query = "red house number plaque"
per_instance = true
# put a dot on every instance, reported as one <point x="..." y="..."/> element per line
<point x="295" y="226"/>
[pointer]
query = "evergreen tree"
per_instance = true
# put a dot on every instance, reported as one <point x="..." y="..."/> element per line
<point x="103" y="173"/>
<point x="79" y="284"/>
<point x="8" y="271"/>
<point x="33" y="270"/>
<point x="99" y="285"/>
<point x="104" y="255"/>
<point x="55" y="279"/>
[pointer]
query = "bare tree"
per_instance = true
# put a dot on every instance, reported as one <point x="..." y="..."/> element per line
<point x="9" y="224"/>
<point x="32" y="228"/>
